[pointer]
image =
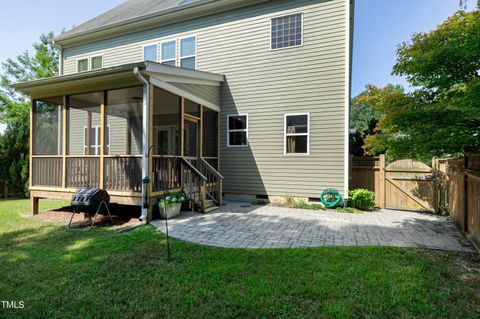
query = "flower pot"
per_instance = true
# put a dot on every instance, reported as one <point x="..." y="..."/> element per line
<point x="171" y="212"/>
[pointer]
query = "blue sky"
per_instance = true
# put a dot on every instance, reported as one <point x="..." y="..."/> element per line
<point x="380" y="25"/>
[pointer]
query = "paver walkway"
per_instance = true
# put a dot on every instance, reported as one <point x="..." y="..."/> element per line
<point x="242" y="225"/>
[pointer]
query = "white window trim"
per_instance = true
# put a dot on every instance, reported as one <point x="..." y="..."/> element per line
<point x="90" y="64"/>
<point x="180" y="57"/>
<point x="302" y="15"/>
<point x="157" y="51"/>
<point x="285" y="135"/>
<point x="175" y="59"/>
<point x="236" y="130"/>
<point x="97" y="140"/>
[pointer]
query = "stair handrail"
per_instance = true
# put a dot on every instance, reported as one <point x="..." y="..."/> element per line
<point x="194" y="169"/>
<point x="211" y="169"/>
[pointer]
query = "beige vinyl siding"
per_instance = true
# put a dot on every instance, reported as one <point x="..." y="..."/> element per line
<point x="206" y="92"/>
<point x="266" y="85"/>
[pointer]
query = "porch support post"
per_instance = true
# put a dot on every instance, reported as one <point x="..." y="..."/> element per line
<point x="102" y="140"/>
<point x="145" y="145"/>
<point x="150" y="141"/>
<point x="64" y="140"/>
<point x="30" y="159"/>
<point x="182" y="125"/>
<point x="200" y="152"/>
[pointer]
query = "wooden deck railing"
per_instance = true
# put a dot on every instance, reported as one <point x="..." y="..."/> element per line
<point x="83" y="172"/>
<point x="47" y="171"/>
<point x="123" y="173"/>
<point x="193" y="183"/>
<point x="166" y="169"/>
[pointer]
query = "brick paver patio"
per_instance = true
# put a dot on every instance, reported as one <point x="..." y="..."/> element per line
<point x="241" y="225"/>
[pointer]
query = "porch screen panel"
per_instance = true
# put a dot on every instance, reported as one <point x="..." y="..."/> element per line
<point x="166" y="122"/>
<point x="210" y="133"/>
<point x="47" y="127"/>
<point x="84" y="124"/>
<point x="124" y="121"/>
<point x="47" y="141"/>
<point x="84" y="140"/>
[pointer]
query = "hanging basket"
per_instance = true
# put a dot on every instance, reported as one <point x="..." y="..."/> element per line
<point x="330" y="198"/>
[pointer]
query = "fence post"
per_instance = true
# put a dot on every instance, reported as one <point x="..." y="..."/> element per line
<point x="383" y="201"/>
<point x="435" y="184"/>
<point x="465" y="191"/>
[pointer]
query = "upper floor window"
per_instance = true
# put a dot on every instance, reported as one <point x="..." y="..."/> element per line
<point x="297" y="133"/>
<point x="169" y="52"/>
<point x="82" y="65"/>
<point x="188" y="52"/>
<point x="96" y="62"/>
<point x="237" y="130"/>
<point x="150" y="53"/>
<point x="287" y="31"/>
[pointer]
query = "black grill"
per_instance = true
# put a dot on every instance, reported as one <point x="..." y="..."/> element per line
<point x="89" y="200"/>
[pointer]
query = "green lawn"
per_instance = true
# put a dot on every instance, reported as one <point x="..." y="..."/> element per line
<point x="62" y="274"/>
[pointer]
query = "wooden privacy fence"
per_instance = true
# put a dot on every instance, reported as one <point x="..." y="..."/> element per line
<point x="404" y="184"/>
<point x="459" y="192"/>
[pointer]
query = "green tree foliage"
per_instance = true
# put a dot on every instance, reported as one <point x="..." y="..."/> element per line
<point x="14" y="109"/>
<point x="364" y="117"/>
<point x="442" y="116"/>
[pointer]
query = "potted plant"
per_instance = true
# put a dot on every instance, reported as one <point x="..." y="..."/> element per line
<point x="170" y="205"/>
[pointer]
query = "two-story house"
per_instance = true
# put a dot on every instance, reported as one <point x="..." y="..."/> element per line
<point x="243" y="98"/>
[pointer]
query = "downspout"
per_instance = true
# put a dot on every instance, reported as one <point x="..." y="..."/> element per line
<point x="145" y="141"/>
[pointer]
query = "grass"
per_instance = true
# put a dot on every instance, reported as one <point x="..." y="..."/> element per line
<point x="76" y="274"/>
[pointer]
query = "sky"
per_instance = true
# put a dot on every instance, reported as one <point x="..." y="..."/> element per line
<point x="380" y="25"/>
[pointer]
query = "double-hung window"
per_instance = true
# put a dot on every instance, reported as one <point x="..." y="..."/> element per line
<point x="188" y="52"/>
<point x="169" y="53"/>
<point x="82" y="65"/>
<point x="237" y="130"/>
<point x="96" y="62"/>
<point x="150" y="53"/>
<point x="94" y="144"/>
<point x="297" y="131"/>
<point x="287" y="31"/>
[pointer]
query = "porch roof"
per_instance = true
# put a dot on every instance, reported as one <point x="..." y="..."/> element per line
<point x="184" y="82"/>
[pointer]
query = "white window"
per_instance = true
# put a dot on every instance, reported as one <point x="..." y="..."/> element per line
<point x="237" y="130"/>
<point x="297" y="131"/>
<point x="188" y="50"/>
<point x="95" y="140"/>
<point x="96" y="62"/>
<point x="150" y="53"/>
<point x="82" y="65"/>
<point x="287" y="31"/>
<point x="169" y="53"/>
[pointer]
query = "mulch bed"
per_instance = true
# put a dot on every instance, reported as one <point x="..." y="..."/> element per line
<point x="122" y="215"/>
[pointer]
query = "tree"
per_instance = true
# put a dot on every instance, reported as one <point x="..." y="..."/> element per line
<point x="364" y="117"/>
<point x="442" y="116"/>
<point x="14" y="109"/>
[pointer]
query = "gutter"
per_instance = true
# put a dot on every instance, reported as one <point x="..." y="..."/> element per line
<point x="145" y="142"/>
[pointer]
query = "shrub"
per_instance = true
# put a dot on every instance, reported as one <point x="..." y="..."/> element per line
<point x="362" y="199"/>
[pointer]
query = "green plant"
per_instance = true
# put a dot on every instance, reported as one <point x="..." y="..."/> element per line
<point x="171" y="199"/>
<point x="261" y="201"/>
<point x="362" y="199"/>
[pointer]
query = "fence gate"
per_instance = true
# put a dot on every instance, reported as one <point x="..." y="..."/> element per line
<point x="404" y="184"/>
<point x="409" y="185"/>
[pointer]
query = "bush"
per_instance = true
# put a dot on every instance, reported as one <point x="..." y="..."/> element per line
<point x="362" y="199"/>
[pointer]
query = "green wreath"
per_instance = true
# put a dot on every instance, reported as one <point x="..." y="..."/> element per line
<point x="330" y="198"/>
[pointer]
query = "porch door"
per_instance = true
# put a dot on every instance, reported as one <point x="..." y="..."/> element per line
<point x="191" y="146"/>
